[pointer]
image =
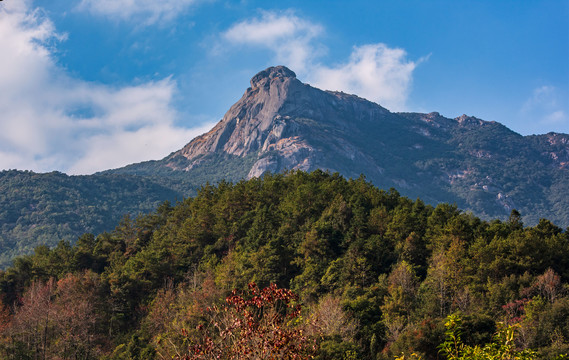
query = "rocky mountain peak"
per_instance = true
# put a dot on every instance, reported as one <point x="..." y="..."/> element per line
<point x="557" y="139"/>
<point x="465" y="119"/>
<point x="554" y="146"/>
<point x="264" y="77"/>
<point x="279" y="119"/>
<point x="258" y="115"/>
<point x="470" y="122"/>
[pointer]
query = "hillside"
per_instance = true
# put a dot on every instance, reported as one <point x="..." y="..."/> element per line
<point x="367" y="274"/>
<point x="42" y="209"/>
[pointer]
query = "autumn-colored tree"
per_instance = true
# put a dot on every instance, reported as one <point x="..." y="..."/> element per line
<point x="5" y="324"/>
<point x="31" y="330"/>
<point x="56" y="320"/>
<point x="177" y="311"/>
<point x="260" y="325"/>
<point x="329" y="319"/>
<point x="548" y="285"/>
<point x="78" y="318"/>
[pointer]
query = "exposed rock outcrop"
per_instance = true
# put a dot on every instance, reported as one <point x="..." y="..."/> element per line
<point x="276" y="119"/>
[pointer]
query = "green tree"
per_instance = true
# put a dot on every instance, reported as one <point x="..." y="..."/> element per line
<point x="502" y="347"/>
<point x="400" y="300"/>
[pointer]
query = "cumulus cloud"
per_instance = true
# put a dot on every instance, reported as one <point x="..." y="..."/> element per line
<point x="132" y="146"/>
<point x="53" y="121"/>
<point x="373" y="71"/>
<point x="288" y="36"/>
<point x="149" y="11"/>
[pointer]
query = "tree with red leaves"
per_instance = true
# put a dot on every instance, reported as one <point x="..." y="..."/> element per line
<point x="262" y="325"/>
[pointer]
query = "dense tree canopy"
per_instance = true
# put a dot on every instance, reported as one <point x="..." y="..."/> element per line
<point x="375" y="276"/>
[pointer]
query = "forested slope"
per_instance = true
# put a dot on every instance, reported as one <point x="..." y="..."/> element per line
<point x="375" y="276"/>
<point x="38" y="209"/>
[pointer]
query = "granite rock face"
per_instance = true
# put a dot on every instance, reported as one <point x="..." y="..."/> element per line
<point x="248" y="123"/>
<point x="275" y="118"/>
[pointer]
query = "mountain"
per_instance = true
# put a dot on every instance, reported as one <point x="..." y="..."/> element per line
<point x="283" y="124"/>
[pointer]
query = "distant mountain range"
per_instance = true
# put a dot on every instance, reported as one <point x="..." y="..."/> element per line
<point x="283" y="124"/>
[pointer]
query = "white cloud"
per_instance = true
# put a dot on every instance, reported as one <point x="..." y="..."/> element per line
<point x="101" y="151"/>
<point x="543" y="96"/>
<point x="545" y="107"/>
<point x="53" y="121"/>
<point x="558" y="116"/>
<point x="374" y="71"/>
<point x="288" y="36"/>
<point x="148" y="11"/>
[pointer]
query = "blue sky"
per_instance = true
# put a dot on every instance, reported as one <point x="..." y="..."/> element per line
<point x="89" y="85"/>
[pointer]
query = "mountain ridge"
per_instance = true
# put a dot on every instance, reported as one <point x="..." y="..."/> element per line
<point x="283" y="124"/>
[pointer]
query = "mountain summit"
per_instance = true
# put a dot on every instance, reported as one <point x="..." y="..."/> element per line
<point x="253" y="123"/>
<point x="282" y="124"/>
<point x="287" y="125"/>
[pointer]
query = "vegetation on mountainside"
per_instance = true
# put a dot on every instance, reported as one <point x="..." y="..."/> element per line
<point x="41" y="209"/>
<point x="358" y="273"/>
<point x="483" y="167"/>
<point x="212" y="168"/>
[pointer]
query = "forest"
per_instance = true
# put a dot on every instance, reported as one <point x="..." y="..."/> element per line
<point x="294" y="266"/>
<point x="40" y="209"/>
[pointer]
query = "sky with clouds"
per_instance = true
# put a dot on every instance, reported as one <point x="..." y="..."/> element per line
<point x="89" y="85"/>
